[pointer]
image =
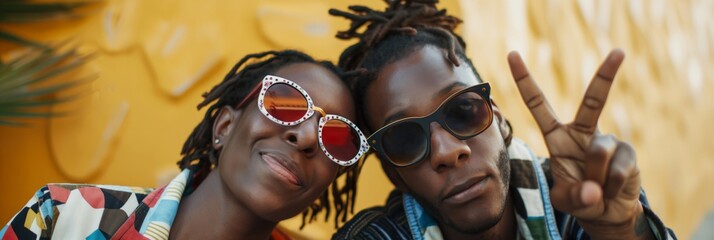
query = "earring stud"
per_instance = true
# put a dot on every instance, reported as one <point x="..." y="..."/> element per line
<point x="217" y="141"/>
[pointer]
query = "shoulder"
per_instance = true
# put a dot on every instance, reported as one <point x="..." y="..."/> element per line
<point x="63" y="187"/>
<point x="95" y="206"/>
<point x="381" y="222"/>
<point x="97" y="196"/>
<point x="75" y="203"/>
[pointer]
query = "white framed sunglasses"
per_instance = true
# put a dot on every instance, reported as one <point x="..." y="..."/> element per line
<point x="286" y="103"/>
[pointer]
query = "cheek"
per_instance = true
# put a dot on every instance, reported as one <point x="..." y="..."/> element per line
<point x="257" y="127"/>
<point x="234" y="154"/>
<point x="487" y="145"/>
<point x="487" y="150"/>
<point x="422" y="181"/>
<point x="325" y="172"/>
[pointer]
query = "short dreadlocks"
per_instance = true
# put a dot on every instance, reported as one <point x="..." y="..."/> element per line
<point x="402" y="28"/>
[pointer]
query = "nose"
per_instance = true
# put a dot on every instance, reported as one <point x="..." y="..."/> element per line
<point x="447" y="151"/>
<point x="303" y="136"/>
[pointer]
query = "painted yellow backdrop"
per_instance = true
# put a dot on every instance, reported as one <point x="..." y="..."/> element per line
<point x="155" y="58"/>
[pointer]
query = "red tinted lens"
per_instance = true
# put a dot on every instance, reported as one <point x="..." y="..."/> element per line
<point x="340" y="140"/>
<point x="285" y="103"/>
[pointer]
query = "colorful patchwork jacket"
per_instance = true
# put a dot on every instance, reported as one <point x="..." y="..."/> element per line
<point x="81" y="211"/>
<point x="403" y="218"/>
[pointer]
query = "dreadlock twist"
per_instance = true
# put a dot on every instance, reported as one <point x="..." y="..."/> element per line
<point x="200" y="156"/>
<point x="401" y="17"/>
<point x="403" y="27"/>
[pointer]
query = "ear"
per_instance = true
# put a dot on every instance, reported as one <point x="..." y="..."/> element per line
<point x="223" y="125"/>
<point x="503" y="125"/>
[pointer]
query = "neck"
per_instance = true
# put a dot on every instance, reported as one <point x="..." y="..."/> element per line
<point x="506" y="228"/>
<point x="213" y="212"/>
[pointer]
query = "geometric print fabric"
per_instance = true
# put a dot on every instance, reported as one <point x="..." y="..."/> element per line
<point x="75" y="211"/>
<point x="82" y="211"/>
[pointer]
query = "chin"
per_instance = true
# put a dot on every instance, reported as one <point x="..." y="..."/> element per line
<point x="479" y="221"/>
<point x="277" y="216"/>
<point x="272" y="207"/>
<point x="277" y="213"/>
<point x="481" y="214"/>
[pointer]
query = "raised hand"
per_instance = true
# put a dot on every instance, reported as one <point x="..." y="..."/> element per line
<point x="596" y="178"/>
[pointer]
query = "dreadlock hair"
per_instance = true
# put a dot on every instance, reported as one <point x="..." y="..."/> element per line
<point x="402" y="28"/>
<point x="200" y="156"/>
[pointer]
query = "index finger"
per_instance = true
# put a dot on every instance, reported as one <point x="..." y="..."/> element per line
<point x="532" y="95"/>
<point x="595" y="96"/>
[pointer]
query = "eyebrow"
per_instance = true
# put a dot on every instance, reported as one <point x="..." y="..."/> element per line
<point x="402" y="113"/>
<point x="448" y="89"/>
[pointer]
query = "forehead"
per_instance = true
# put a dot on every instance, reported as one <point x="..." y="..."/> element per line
<point x="415" y="85"/>
<point x="324" y="87"/>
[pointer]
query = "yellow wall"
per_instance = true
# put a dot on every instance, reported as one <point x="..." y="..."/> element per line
<point x="156" y="58"/>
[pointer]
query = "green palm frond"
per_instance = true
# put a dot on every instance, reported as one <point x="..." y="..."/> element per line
<point x="24" y="88"/>
<point x="21" y="11"/>
<point x="26" y="11"/>
<point x="14" y="38"/>
<point x="20" y="95"/>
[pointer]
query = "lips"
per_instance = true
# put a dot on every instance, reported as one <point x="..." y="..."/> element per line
<point x="466" y="191"/>
<point x="283" y="167"/>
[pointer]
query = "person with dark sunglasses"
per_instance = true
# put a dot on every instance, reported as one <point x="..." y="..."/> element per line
<point x="276" y="135"/>
<point x="449" y="151"/>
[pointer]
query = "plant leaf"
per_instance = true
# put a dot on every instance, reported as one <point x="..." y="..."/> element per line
<point x="33" y="11"/>
<point x="29" y="79"/>
<point x="32" y="65"/>
<point x="10" y="123"/>
<point x="9" y="37"/>
<point x="41" y="91"/>
<point x="19" y="95"/>
<point x="24" y="103"/>
<point x="19" y="100"/>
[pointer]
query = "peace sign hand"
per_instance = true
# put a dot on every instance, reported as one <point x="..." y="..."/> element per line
<point x="596" y="178"/>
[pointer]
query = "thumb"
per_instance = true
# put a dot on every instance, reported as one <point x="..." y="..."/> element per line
<point x="582" y="199"/>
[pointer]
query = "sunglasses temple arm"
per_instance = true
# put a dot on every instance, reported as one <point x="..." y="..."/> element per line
<point x="250" y="95"/>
